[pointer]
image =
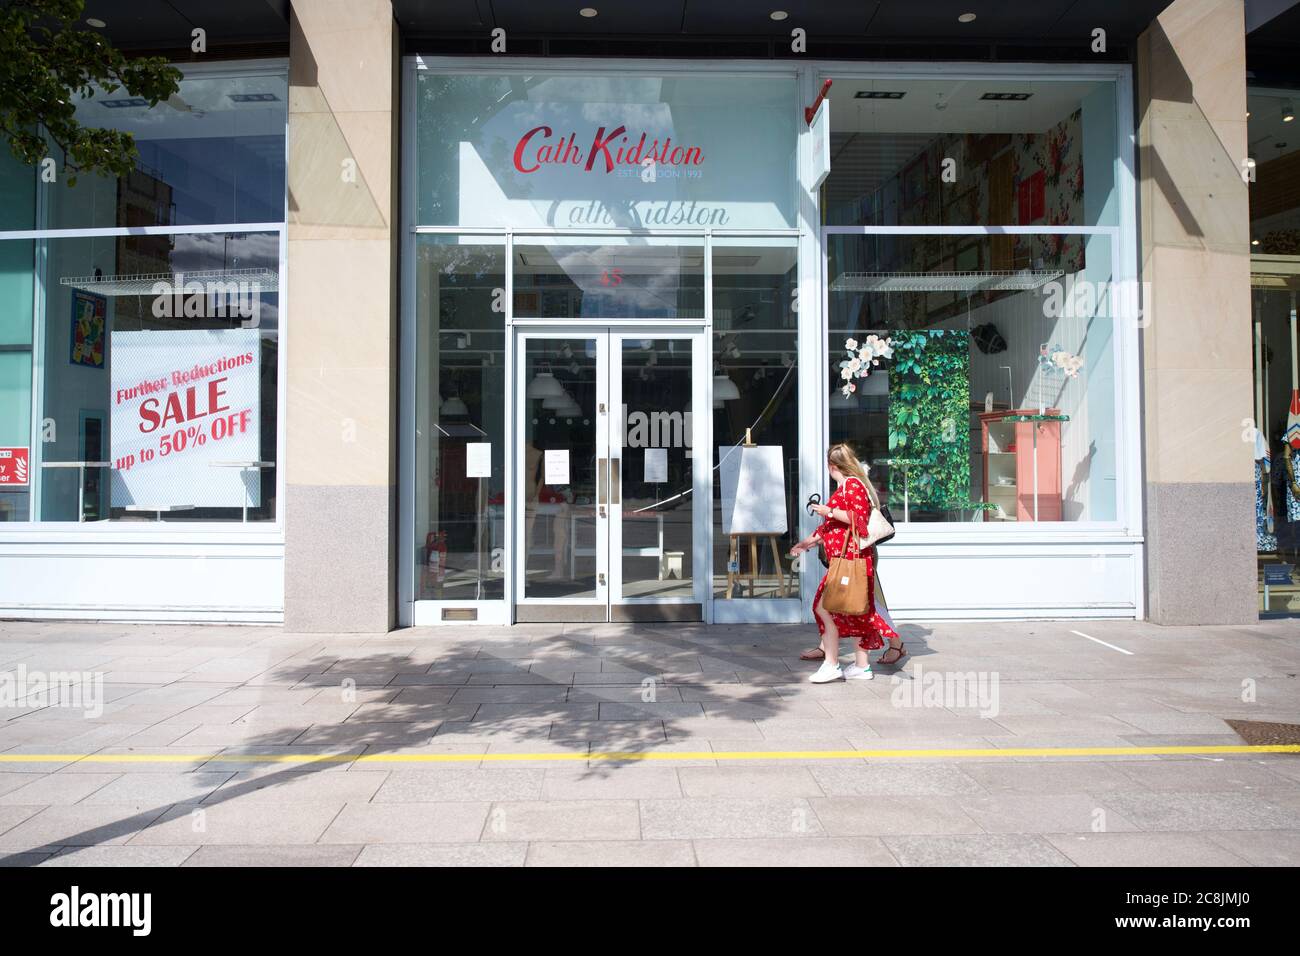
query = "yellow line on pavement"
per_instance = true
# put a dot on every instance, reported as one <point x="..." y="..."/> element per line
<point x="665" y="755"/>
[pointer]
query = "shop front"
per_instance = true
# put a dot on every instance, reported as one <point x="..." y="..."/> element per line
<point x="141" y="349"/>
<point x="639" y="302"/>
<point x="1275" y="286"/>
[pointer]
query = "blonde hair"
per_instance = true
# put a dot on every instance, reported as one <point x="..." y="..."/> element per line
<point x="843" y="457"/>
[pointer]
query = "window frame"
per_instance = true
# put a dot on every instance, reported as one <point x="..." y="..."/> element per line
<point x="142" y="532"/>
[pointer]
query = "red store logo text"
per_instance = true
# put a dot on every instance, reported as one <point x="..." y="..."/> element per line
<point x="612" y="148"/>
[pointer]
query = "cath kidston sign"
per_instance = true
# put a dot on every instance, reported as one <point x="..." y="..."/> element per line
<point x="714" y="153"/>
<point x="181" y="401"/>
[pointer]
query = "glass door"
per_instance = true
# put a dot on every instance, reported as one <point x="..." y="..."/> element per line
<point x="611" y="518"/>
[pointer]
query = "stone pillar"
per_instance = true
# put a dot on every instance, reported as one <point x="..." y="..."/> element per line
<point x="1196" y="349"/>
<point x="341" y="317"/>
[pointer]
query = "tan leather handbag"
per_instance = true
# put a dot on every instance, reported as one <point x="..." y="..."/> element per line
<point x="846" y="581"/>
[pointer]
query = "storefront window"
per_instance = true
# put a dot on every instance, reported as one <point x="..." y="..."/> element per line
<point x="15" y="378"/>
<point x="213" y="153"/>
<point x="17" y="211"/>
<point x="17" y="192"/>
<point x="606" y="151"/>
<point x="1275" y="277"/>
<point x="976" y="374"/>
<point x="624" y="278"/>
<point x="158" y="382"/>
<point x="972" y="152"/>
<point x="139" y="373"/>
<point x="460" y="480"/>
<point x="755" y="402"/>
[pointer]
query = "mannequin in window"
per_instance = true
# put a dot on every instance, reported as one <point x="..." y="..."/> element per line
<point x="1265" y="539"/>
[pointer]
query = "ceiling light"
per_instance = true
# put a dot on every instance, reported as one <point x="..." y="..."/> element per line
<point x="253" y="98"/>
<point x="1254" y="242"/>
<point x="1006" y="96"/>
<point x="879" y="95"/>
<point x="778" y="14"/>
<point x="134" y="101"/>
<point x="453" y="406"/>
<point x="724" y="389"/>
<point x="1288" y="114"/>
<point x="544" y="385"/>
<point x="588" y="12"/>
<point x="95" y="22"/>
<point x="966" y="18"/>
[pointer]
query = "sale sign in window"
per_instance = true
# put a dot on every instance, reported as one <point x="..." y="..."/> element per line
<point x="185" y="415"/>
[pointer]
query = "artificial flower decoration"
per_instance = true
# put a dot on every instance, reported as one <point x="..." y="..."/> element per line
<point x="1053" y="359"/>
<point x="862" y="358"/>
<point x="881" y="348"/>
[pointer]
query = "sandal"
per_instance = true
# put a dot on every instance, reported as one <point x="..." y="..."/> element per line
<point x="814" y="654"/>
<point x="899" y="650"/>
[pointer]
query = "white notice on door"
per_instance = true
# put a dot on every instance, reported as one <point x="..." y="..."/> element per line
<point x="478" y="459"/>
<point x="557" y="467"/>
<point x="656" y="465"/>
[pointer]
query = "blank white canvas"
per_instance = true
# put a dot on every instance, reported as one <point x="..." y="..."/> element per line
<point x="752" y="482"/>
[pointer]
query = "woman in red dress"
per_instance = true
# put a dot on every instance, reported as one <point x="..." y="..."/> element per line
<point x="850" y="505"/>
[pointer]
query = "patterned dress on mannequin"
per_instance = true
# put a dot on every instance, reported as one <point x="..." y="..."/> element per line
<point x="1265" y="542"/>
<point x="1292" y="484"/>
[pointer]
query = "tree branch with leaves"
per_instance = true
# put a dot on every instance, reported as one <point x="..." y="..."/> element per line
<point x="47" y="61"/>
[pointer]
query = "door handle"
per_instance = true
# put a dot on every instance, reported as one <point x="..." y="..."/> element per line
<point x="602" y="483"/>
<point x="615" y="483"/>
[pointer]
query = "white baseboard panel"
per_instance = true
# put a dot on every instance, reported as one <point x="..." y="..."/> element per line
<point x="234" y="583"/>
<point x="921" y="615"/>
<point x="1013" y="582"/>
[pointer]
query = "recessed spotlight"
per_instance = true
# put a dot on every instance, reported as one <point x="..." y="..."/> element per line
<point x="966" y="18"/>
<point x="588" y="12"/>
<point x="1288" y="114"/>
<point x="95" y="22"/>
<point x="1254" y="242"/>
<point x="778" y="14"/>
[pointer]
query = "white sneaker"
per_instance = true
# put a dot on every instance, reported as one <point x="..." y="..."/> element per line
<point x="829" y="671"/>
<point x="854" y="672"/>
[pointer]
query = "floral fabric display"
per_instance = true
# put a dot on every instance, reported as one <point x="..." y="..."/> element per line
<point x="862" y="359"/>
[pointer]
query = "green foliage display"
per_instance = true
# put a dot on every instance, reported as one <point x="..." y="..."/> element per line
<point x="47" y="58"/>
<point x="929" y="414"/>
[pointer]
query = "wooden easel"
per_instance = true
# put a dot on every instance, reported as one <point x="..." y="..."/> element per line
<point x="733" y="555"/>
